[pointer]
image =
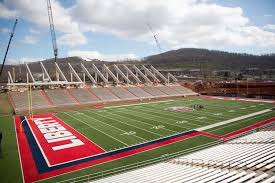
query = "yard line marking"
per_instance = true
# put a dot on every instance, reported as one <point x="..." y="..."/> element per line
<point x="216" y="118"/>
<point x="137" y="121"/>
<point x="96" y="129"/>
<point x="128" y="125"/>
<point x="153" y="119"/>
<point x="110" y="125"/>
<point x="213" y="107"/>
<point x="171" y="115"/>
<point x="232" y="120"/>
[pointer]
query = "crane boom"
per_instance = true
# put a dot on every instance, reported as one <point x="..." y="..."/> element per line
<point x="55" y="50"/>
<point x="11" y="36"/>
<point x="155" y="37"/>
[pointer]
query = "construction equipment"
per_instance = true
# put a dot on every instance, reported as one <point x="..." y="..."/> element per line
<point x="155" y="37"/>
<point x="55" y="50"/>
<point x="11" y="36"/>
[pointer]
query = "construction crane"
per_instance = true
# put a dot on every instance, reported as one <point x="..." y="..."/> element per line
<point x="11" y="36"/>
<point x="55" y="50"/>
<point x="155" y="37"/>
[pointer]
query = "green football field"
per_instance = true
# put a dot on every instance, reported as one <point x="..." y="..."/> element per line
<point x="116" y="127"/>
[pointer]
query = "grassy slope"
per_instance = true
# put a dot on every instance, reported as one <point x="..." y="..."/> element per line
<point x="10" y="170"/>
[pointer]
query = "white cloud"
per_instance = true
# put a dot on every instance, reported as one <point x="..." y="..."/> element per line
<point x="23" y="60"/>
<point x="177" y="23"/>
<point x="34" y="31"/>
<point x="4" y="30"/>
<point x="30" y="39"/>
<point x="269" y="27"/>
<point x="72" y="39"/>
<point x="100" y="56"/>
<point x="36" y="12"/>
<point x="6" y="13"/>
<point x="268" y="15"/>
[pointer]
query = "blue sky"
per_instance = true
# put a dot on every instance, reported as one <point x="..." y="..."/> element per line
<point x="114" y="29"/>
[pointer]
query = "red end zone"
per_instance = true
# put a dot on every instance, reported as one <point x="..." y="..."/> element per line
<point x="58" y="142"/>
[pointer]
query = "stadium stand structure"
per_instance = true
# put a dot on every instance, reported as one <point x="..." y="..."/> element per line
<point x="154" y="91"/>
<point x="99" y="89"/>
<point x="250" y="158"/>
<point x="140" y="93"/>
<point x="104" y="94"/>
<point x="60" y="97"/>
<point x="80" y="96"/>
<point x="123" y="93"/>
<point x="84" y="96"/>
<point x="21" y="102"/>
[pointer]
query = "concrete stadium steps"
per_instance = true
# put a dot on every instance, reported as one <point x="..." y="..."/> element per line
<point x="61" y="97"/>
<point x="84" y="96"/>
<point x="169" y="91"/>
<point x="168" y="173"/>
<point x="225" y="163"/>
<point x="20" y="100"/>
<point x="183" y="90"/>
<point x="105" y="94"/>
<point x="258" y="137"/>
<point x="123" y="93"/>
<point x="154" y="91"/>
<point x="137" y="91"/>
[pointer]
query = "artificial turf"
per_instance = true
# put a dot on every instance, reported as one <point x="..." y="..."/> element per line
<point x="121" y="126"/>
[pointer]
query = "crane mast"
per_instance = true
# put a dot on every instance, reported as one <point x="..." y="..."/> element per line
<point x="50" y="15"/>
<point x="11" y="36"/>
<point x="155" y="37"/>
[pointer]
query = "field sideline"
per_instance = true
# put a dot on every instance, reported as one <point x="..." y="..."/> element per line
<point x="117" y="127"/>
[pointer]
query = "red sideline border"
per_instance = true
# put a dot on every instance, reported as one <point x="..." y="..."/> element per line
<point x="30" y="173"/>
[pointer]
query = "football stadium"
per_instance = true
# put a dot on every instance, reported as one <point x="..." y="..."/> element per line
<point x="76" y="119"/>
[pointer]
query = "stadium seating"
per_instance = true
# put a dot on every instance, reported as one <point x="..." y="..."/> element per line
<point x="21" y="102"/>
<point x="137" y="91"/>
<point x="247" y="159"/>
<point x="123" y="94"/>
<point x="183" y="90"/>
<point x="60" y="97"/>
<point x="84" y="96"/>
<point x="104" y="94"/>
<point x="169" y="91"/>
<point x="154" y="91"/>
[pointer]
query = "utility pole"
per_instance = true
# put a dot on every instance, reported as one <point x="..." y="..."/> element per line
<point x="7" y="50"/>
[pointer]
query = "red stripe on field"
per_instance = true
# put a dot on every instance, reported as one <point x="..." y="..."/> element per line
<point x="240" y="131"/>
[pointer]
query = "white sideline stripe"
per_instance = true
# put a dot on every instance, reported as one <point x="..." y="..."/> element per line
<point x="232" y="120"/>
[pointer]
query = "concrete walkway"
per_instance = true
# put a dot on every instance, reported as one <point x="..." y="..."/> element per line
<point x="232" y="120"/>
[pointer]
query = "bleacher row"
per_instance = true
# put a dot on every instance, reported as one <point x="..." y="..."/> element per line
<point x="75" y="96"/>
<point x="235" y="161"/>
